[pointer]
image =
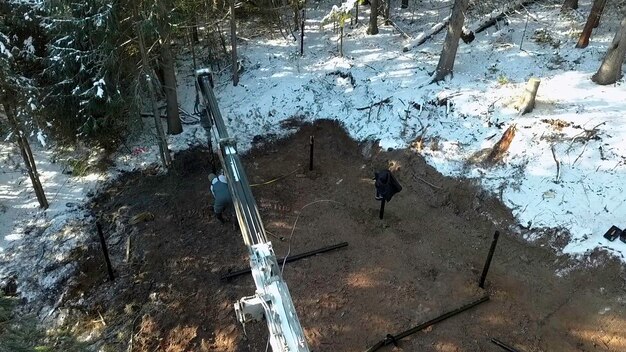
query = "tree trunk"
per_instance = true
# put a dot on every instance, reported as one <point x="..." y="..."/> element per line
<point x="373" y="26"/>
<point x="341" y="41"/>
<point x="592" y="21"/>
<point x="526" y="103"/>
<point x="387" y="10"/>
<point x="27" y="155"/>
<point x="174" y="125"/>
<point x="169" y="74"/>
<point x="233" y="41"/>
<point x="356" y="15"/>
<point x="161" y="140"/>
<point x="451" y="43"/>
<point x="569" y="5"/>
<point x="611" y="69"/>
<point x="302" y="21"/>
<point x="194" y="29"/>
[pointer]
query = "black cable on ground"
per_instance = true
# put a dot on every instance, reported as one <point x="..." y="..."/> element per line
<point x="288" y="259"/>
<point x="504" y="346"/>
<point x="393" y="339"/>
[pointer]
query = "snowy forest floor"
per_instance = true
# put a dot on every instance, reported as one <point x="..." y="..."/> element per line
<point x="422" y="260"/>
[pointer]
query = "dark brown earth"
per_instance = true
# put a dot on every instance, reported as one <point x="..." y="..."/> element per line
<point x="422" y="260"/>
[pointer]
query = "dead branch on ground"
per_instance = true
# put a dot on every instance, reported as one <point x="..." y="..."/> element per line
<point x="384" y="101"/>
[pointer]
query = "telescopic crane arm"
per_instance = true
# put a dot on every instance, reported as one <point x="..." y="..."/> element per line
<point x="271" y="300"/>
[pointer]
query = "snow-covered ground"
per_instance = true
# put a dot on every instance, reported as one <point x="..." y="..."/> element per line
<point x="581" y="121"/>
<point x="578" y="120"/>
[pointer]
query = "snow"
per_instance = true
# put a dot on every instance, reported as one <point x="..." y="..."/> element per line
<point x="28" y="46"/>
<point x="578" y="120"/>
<point x="586" y="198"/>
<point x="99" y="84"/>
<point x="41" y="137"/>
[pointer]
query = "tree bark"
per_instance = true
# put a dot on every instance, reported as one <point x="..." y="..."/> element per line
<point x="161" y="140"/>
<point x="373" y="25"/>
<point x="526" y="103"/>
<point x="174" y="125"/>
<point x="501" y="147"/>
<point x="569" y="5"/>
<point x="451" y="43"/>
<point x="611" y="69"/>
<point x="27" y="155"/>
<point x="233" y="41"/>
<point x="592" y="22"/>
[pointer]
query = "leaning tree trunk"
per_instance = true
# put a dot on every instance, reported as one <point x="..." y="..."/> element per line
<point x="373" y="26"/>
<point x="569" y="5"/>
<point x="592" y="22"/>
<point x="27" y="155"/>
<point x="233" y="41"/>
<point x="611" y="69"/>
<point x="451" y="44"/>
<point x="161" y="140"/>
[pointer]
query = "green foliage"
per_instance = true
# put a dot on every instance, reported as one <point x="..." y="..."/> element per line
<point x="80" y="166"/>
<point x="502" y="79"/>
<point x="86" y="80"/>
<point x="21" y="334"/>
<point x="16" y="335"/>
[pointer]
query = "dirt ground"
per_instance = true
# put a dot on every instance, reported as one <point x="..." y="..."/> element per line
<point x="422" y="260"/>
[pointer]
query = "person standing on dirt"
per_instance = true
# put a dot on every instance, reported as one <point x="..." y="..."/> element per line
<point x="221" y="195"/>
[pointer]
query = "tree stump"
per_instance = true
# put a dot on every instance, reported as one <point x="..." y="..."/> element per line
<point x="526" y="102"/>
<point x="500" y="148"/>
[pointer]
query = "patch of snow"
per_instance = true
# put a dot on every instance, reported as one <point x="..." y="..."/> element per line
<point x="41" y="138"/>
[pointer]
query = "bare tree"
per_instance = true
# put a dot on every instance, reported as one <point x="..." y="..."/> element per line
<point x="233" y="41"/>
<point x="611" y="69"/>
<point x="27" y="154"/>
<point x="451" y="43"/>
<point x="569" y="5"/>
<point x="592" y="22"/>
<point x="373" y="25"/>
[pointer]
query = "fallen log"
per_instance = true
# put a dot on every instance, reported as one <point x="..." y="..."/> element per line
<point x="424" y="36"/>
<point x="492" y="18"/>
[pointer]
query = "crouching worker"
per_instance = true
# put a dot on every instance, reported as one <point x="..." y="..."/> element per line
<point x="221" y="195"/>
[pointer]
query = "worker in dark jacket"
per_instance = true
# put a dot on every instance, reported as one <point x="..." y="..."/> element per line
<point x="221" y="195"/>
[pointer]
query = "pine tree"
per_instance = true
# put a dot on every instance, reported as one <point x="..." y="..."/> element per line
<point x="84" y="75"/>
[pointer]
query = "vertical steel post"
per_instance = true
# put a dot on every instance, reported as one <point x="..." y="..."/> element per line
<point x="481" y="283"/>
<point x="105" y="251"/>
<point x="312" y="145"/>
